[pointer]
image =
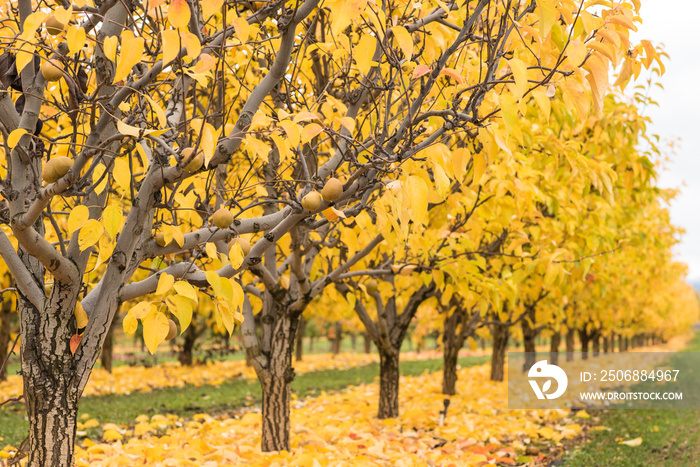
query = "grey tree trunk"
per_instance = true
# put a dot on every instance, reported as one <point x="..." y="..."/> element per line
<point x="276" y="382"/>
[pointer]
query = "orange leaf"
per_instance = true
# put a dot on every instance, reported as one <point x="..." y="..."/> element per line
<point x="75" y="342"/>
<point x="179" y="14"/>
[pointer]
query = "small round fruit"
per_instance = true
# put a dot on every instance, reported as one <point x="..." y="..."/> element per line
<point x="371" y="286"/>
<point x="195" y="163"/>
<point x="312" y="201"/>
<point x="172" y="330"/>
<point x="56" y="168"/>
<point x="160" y="239"/>
<point x="222" y="218"/>
<point x="52" y="70"/>
<point x="54" y="26"/>
<point x="332" y="190"/>
<point x="245" y="244"/>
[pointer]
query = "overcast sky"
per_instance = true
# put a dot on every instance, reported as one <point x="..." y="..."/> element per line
<point x="674" y="23"/>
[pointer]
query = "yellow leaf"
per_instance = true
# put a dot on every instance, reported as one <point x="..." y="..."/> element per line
<point x="293" y="132"/>
<point x="15" y="136"/>
<point x="548" y="15"/>
<point x="112" y="219"/>
<point x="479" y="161"/>
<point x="205" y="63"/>
<point x="192" y="45"/>
<point x="75" y="39"/>
<point x="349" y="11"/>
<point x="509" y="109"/>
<point x="171" y="45"/>
<point x="210" y="7"/>
<point x="98" y="179"/>
<point x="160" y="113"/>
<point x="186" y="290"/>
<point x="129" y="324"/>
<point x="90" y="234"/>
<point x="214" y="280"/>
<point x="418" y="190"/>
<point x="110" y="47"/>
<point x="179" y="14"/>
<point x="77" y="218"/>
<point x="122" y="173"/>
<point x="236" y="256"/>
<point x="404" y="41"/>
<point x="130" y="54"/>
<point x="81" y="318"/>
<point x="242" y="28"/>
<point x="141" y="310"/>
<point x="155" y="330"/>
<point x="310" y="131"/>
<point x="305" y="116"/>
<point x="182" y="308"/>
<point x="420" y="70"/>
<point x="165" y="283"/>
<point x="363" y="52"/>
<point x="632" y="442"/>
<point x="519" y="76"/>
<point x="25" y="54"/>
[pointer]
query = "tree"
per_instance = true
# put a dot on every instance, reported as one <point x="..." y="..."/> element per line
<point x="149" y="169"/>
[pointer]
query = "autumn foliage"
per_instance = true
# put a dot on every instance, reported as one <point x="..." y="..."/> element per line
<point x="247" y="163"/>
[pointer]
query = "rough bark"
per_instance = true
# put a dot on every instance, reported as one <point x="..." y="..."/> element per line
<point x="300" y="339"/>
<point x="388" y="384"/>
<point x="570" y="342"/>
<point x="500" y="333"/>
<point x="5" y="328"/>
<point x="449" y="355"/>
<point x="276" y="382"/>
<point x="49" y="374"/>
<point x="554" y="348"/>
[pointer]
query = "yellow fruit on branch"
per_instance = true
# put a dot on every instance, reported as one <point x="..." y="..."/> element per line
<point x="160" y="239"/>
<point x="222" y="218"/>
<point x="332" y="190"/>
<point x="56" y="168"/>
<point x="371" y="286"/>
<point x="311" y="201"/>
<point x="192" y="163"/>
<point x="172" y="330"/>
<point x="52" y="70"/>
<point x="54" y="26"/>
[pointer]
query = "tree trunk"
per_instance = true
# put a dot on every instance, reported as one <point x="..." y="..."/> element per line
<point x="337" y="338"/>
<point x="5" y="328"/>
<point x="584" y="337"/>
<point x="300" y="339"/>
<point x="388" y="384"/>
<point x="311" y="343"/>
<point x="368" y="343"/>
<point x="353" y="341"/>
<point x="570" y="342"/>
<point x="606" y="344"/>
<point x="621" y="343"/>
<point x="554" y="348"/>
<point x="529" y="335"/>
<point x="108" y="348"/>
<point x="185" y="354"/>
<point x="449" y="355"/>
<point x="276" y="381"/>
<point x="500" y="334"/>
<point x="596" y="345"/>
<point x="49" y="374"/>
